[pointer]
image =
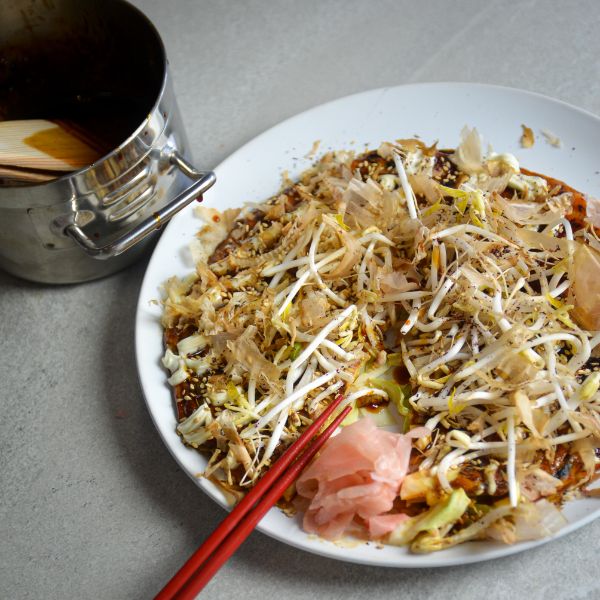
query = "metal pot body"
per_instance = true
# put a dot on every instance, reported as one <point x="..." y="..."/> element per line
<point x="94" y="221"/>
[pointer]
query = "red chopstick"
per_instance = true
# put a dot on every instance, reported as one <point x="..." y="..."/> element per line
<point x="203" y="564"/>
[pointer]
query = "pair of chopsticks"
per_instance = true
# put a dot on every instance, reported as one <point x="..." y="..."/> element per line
<point x="241" y="521"/>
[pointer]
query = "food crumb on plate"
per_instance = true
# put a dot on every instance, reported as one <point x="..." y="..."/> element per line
<point x="348" y="542"/>
<point x="527" y="137"/>
<point x="314" y="149"/>
<point x="552" y="139"/>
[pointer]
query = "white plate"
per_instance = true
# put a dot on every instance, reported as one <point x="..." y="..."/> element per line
<point x="435" y="111"/>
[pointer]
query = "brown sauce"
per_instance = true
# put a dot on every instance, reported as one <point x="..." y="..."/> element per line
<point x="401" y="375"/>
<point x="376" y="405"/>
<point x="372" y="165"/>
<point x="445" y="171"/>
<point x="240" y="231"/>
<point x="58" y="143"/>
<point x="578" y="210"/>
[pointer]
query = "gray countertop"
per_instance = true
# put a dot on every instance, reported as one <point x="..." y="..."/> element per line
<point x="92" y="504"/>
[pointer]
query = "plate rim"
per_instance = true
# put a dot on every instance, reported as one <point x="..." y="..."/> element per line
<point x="327" y="549"/>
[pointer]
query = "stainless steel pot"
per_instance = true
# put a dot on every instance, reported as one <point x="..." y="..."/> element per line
<point x="105" y="61"/>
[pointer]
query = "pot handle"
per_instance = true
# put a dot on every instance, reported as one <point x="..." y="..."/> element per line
<point x="203" y="180"/>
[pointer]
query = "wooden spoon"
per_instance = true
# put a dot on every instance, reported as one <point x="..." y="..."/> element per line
<point x="9" y="175"/>
<point x="44" y="146"/>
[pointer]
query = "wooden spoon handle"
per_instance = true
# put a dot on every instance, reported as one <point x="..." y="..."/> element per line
<point x="43" y="145"/>
<point x="22" y="175"/>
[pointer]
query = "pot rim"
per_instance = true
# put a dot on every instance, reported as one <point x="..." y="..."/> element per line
<point x="136" y="132"/>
